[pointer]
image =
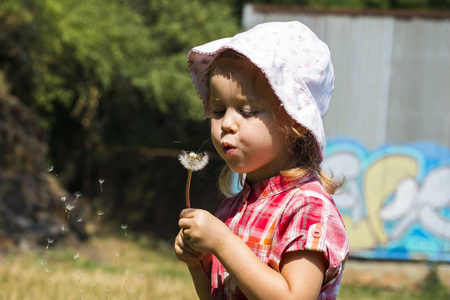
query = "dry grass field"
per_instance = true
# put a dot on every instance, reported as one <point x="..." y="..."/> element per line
<point x="125" y="268"/>
<point x="106" y="268"/>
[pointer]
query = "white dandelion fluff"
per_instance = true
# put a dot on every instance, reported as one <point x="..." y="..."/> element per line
<point x="193" y="162"/>
<point x="124" y="227"/>
<point x="49" y="241"/>
<point x="52" y="169"/>
<point x="69" y="207"/>
<point x="77" y="194"/>
<point x="100" y="213"/>
<point x="101" y="181"/>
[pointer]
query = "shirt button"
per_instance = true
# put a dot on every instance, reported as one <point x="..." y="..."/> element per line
<point x="317" y="232"/>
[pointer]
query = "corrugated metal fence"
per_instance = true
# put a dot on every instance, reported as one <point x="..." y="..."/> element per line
<point x="392" y="73"/>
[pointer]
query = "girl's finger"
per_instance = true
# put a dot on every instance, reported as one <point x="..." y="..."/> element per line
<point x="187" y="213"/>
<point x="184" y="248"/>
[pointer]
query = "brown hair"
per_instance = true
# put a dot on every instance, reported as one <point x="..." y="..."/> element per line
<point x="302" y="144"/>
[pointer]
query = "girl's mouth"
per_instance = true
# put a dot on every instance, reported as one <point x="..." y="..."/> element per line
<point x="228" y="149"/>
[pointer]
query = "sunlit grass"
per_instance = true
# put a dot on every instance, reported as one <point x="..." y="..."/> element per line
<point x="125" y="268"/>
<point x="364" y="292"/>
<point x="106" y="268"/>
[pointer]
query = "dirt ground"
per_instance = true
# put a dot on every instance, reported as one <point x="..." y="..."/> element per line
<point x="393" y="274"/>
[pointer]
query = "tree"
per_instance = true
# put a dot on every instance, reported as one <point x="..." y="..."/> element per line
<point x="103" y="73"/>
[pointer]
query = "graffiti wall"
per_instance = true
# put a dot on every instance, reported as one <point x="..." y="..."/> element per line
<point x="396" y="201"/>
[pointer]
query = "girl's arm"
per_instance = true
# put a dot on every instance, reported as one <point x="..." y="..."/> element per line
<point x="301" y="277"/>
<point x="193" y="260"/>
<point x="201" y="282"/>
<point x="302" y="272"/>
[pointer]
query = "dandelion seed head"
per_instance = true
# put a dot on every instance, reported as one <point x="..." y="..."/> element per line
<point x="100" y="212"/>
<point x="79" y="220"/>
<point x="193" y="161"/>
<point x="69" y="206"/>
<point x="141" y="275"/>
<point x="50" y="169"/>
<point x="63" y="199"/>
<point x="78" y="194"/>
<point x="76" y="255"/>
<point x="101" y="181"/>
<point x="47" y="271"/>
<point x="42" y="262"/>
<point x="64" y="229"/>
<point x="117" y="254"/>
<point x="124" y="226"/>
<point x="50" y="240"/>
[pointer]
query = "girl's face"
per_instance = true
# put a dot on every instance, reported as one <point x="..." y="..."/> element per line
<point x="245" y="121"/>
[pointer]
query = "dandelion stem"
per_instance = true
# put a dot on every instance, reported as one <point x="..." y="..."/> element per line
<point x="188" y="186"/>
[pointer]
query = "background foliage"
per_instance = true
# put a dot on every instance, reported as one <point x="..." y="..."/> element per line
<point x="109" y="81"/>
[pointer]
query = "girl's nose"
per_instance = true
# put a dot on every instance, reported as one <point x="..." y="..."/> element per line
<point x="229" y="121"/>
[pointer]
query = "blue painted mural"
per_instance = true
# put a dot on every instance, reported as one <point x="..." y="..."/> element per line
<point x="396" y="201"/>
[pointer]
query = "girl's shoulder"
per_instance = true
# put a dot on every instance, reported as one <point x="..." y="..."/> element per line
<point x="312" y="188"/>
<point x="311" y="195"/>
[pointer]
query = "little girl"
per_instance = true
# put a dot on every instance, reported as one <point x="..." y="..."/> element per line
<point x="282" y="237"/>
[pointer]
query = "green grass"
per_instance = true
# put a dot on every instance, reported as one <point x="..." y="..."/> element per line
<point x="120" y="268"/>
<point x="361" y="292"/>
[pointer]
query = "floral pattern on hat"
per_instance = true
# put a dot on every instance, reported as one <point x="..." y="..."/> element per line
<point x="295" y="61"/>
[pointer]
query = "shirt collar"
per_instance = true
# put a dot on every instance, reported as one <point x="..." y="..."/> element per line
<point x="271" y="187"/>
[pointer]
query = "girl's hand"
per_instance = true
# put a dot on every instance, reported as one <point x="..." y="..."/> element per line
<point x="185" y="253"/>
<point x="202" y="232"/>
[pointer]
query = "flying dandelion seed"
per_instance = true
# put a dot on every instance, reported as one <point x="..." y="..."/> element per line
<point x="77" y="194"/>
<point x="48" y="274"/>
<point x="79" y="220"/>
<point x="49" y="241"/>
<point x="42" y="263"/>
<point x="117" y="255"/>
<point x="69" y="207"/>
<point x="81" y="273"/>
<point x="52" y="169"/>
<point x="141" y="275"/>
<point x="64" y="229"/>
<point x="100" y="213"/>
<point x="63" y="199"/>
<point x="101" y="181"/>
<point x="76" y="255"/>
<point x="193" y="162"/>
<point x="124" y="227"/>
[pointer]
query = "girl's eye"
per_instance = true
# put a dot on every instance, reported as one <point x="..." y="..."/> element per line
<point x="217" y="113"/>
<point x="248" y="114"/>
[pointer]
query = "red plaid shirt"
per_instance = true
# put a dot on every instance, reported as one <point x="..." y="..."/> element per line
<point x="275" y="217"/>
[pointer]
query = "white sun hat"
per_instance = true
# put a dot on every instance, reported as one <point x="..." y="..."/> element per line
<point x="295" y="61"/>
